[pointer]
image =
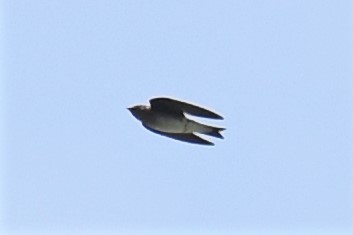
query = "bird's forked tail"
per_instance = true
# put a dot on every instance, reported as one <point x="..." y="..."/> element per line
<point x="215" y="132"/>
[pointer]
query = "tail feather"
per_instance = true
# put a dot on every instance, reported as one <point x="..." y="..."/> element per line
<point x="215" y="132"/>
<point x="205" y="129"/>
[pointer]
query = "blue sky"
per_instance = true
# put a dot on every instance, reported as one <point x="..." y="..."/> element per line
<point x="75" y="159"/>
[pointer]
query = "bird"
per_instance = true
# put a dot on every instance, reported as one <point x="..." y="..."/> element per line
<point x="165" y="116"/>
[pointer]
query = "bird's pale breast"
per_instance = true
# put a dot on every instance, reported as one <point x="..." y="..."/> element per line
<point x="168" y="124"/>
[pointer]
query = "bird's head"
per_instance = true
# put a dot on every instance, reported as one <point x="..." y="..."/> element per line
<point x="139" y="111"/>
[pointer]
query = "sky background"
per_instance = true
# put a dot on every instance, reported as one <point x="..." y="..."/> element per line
<point x="74" y="160"/>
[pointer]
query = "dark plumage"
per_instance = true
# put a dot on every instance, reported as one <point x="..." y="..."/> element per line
<point x="166" y="117"/>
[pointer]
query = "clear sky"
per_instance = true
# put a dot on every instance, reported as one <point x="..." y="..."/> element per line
<point x="75" y="160"/>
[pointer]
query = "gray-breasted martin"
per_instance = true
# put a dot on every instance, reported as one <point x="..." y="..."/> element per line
<point x="166" y="117"/>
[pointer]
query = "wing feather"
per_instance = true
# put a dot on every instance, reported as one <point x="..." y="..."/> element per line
<point x="178" y="107"/>
<point x="186" y="137"/>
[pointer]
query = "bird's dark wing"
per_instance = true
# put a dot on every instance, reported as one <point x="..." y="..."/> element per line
<point x="178" y="107"/>
<point x="187" y="137"/>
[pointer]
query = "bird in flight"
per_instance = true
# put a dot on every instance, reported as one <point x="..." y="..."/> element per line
<point x="165" y="116"/>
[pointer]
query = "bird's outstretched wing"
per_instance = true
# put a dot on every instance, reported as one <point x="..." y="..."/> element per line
<point x="187" y="137"/>
<point x="178" y="107"/>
